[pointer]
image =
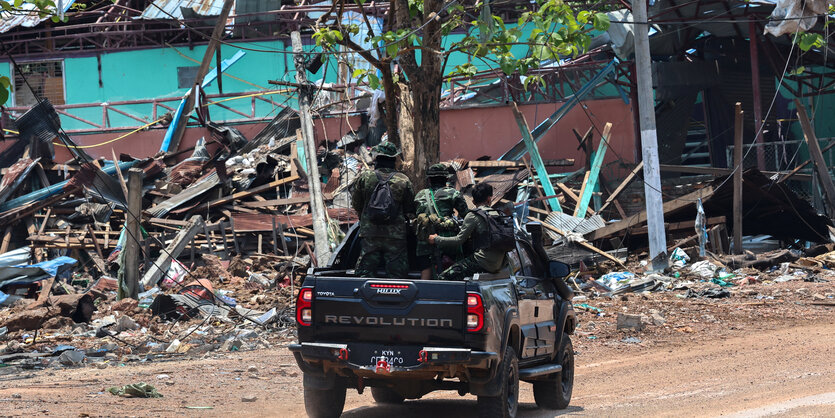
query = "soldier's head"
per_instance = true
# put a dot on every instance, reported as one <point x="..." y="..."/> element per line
<point x="482" y="192"/>
<point x="437" y="175"/>
<point x="385" y="154"/>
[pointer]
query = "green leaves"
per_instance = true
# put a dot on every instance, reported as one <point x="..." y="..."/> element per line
<point x="5" y="89"/>
<point x="601" y="22"/>
<point x="326" y="36"/>
<point x="806" y="41"/>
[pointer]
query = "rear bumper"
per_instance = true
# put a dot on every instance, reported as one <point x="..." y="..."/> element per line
<point x="322" y="357"/>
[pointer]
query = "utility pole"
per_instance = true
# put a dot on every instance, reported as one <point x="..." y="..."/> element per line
<point x="738" y="167"/>
<point x="134" y="234"/>
<point x="217" y="33"/>
<point x="649" y="140"/>
<point x="317" y="202"/>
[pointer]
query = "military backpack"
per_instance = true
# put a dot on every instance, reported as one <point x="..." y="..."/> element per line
<point x="381" y="207"/>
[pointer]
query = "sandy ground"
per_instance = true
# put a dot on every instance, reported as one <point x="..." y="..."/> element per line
<point x="782" y="369"/>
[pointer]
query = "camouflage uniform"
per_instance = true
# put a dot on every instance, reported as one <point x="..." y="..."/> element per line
<point x="384" y="243"/>
<point x="438" y="201"/>
<point x="483" y="259"/>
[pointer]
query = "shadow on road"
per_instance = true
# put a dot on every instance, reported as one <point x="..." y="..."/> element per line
<point x="459" y="408"/>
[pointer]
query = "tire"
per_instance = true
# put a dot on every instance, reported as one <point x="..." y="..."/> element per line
<point x="555" y="393"/>
<point x="507" y="403"/>
<point x="327" y="403"/>
<point x="386" y="396"/>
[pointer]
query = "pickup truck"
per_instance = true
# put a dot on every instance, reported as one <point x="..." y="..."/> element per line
<point x="406" y="338"/>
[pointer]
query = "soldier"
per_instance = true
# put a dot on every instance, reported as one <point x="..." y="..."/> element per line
<point x="484" y="258"/>
<point x="383" y="209"/>
<point x="439" y="200"/>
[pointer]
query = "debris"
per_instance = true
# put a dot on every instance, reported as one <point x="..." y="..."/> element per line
<point x="72" y="357"/>
<point x="249" y="398"/>
<point x="631" y="322"/>
<point x="136" y="390"/>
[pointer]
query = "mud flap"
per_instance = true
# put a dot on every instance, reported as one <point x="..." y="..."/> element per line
<point x="319" y="381"/>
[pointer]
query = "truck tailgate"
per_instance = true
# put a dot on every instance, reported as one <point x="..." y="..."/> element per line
<point x="389" y="311"/>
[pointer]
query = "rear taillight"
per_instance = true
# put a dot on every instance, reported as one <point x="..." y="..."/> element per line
<point x="475" y="312"/>
<point x="304" y="307"/>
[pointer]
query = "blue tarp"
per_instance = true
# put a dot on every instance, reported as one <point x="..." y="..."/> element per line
<point x="35" y="272"/>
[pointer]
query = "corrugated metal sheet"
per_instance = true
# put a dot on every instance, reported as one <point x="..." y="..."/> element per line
<point x="9" y="21"/>
<point x="172" y="8"/>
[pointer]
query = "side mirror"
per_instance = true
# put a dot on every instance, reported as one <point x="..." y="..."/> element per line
<point x="558" y="269"/>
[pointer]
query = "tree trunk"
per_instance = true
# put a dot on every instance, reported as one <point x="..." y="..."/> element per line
<point x="391" y="106"/>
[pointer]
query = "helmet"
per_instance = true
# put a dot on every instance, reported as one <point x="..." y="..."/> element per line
<point x="437" y="170"/>
<point x="385" y="149"/>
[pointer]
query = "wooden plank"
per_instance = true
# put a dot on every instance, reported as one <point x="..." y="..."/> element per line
<point x="172" y="251"/>
<point x="277" y="202"/>
<point x="516" y="164"/>
<point x="622" y="186"/>
<point x="7" y="238"/>
<point x="738" y="167"/>
<point x="95" y="242"/>
<point x="583" y="189"/>
<point x="817" y="156"/>
<point x="583" y="244"/>
<point x="46" y="289"/>
<point x="119" y="174"/>
<point x="641" y="217"/>
<point x="594" y="174"/>
<point x="252" y="191"/>
<point x="536" y="159"/>
<point x="573" y="196"/>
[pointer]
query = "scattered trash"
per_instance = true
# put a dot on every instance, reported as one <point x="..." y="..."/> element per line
<point x="704" y="269"/>
<point x="678" y="258"/>
<point x="72" y="358"/>
<point x="249" y="398"/>
<point x="631" y="340"/>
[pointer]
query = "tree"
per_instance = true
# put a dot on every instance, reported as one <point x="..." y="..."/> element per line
<point x="412" y="37"/>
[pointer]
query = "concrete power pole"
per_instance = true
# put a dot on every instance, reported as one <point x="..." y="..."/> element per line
<point x="649" y="140"/>
<point x="317" y="202"/>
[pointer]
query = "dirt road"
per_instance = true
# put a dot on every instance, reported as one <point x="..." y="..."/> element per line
<point x="786" y="371"/>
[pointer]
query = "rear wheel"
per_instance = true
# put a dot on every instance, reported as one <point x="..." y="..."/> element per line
<point x="386" y="395"/>
<point x="324" y="403"/>
<point x="506" y="404"/>
<point x="555" y="392"/>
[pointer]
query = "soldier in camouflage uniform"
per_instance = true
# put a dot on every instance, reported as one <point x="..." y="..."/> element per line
<point x="483" y="259"/>
<point x="384" y="243"/>
<point x="439" y="200"/>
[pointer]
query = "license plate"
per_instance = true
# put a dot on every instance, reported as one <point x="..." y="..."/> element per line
<point x="385" y="356"/>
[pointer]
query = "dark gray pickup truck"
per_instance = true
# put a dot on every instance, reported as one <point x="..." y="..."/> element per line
<point x="406" y="338"/>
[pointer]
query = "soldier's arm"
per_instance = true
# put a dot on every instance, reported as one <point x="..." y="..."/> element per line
<point x="357" y="195"/>
<point x="460" y="205"/>
<point x="462" y="236"/>
<point x="420" y="203"/>
<point x="409" y="201"/>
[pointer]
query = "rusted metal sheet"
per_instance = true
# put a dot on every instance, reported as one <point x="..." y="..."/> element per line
<point x="247" y="222"/>
<point x="503" y="183"/>
<point x="14" y="177"/>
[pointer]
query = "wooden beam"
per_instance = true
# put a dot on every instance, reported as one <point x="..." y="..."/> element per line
<point x="583" y="244"/>
<point x="7" y="238"/>
<point x="252" y="191"/>
<point x="817" y="156"/>
<point x="715" y="171"/>
<point x="573" y="196"/>
<point x="594" y="173"/>
<point x="583" y="189"/>
<point x="565" y="162"/>
<point x="622" y="186"/>
<point x="172" y="251"/>
<point x="738" y="167"/>
<point x="641" y="217"/>
<point x="119" y="174"/>
<point x="536" y="159"/>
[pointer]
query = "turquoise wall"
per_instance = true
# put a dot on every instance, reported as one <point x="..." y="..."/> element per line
<point x="152" y="74"/>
